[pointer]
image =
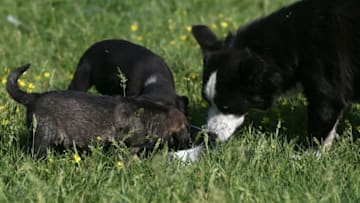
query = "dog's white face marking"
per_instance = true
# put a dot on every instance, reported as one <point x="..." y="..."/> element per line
<point x="151" y="80"/>
<point x="187" y="155"/>
<point x="209" y="89"/>
<point x="223" y="125"/>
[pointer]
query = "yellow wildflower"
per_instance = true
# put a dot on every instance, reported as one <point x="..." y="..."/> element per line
<point x="46" y="74"/>
<point x="98" y="138"/>
<point x="2" y="108"/>
<point x="213" y="26"/>
<point x="203" y="104"/>
<point x="134" y="27"/>
<point x="119" y="165"/>
<point x="183" y="37"/>
<point x="3" y="81"/>
<point x="30" y="86"/>
<point x="193" y="76"/>
<point x="76" y="158"/>
<point x="224" y="24"/>
<point x="21" y="83"/>
<point x="188" y="28"/>
<point x="221" y="15"/>
<point x="173" y="42"/>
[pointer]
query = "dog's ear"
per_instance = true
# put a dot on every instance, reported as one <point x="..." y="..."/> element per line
<point x="182" y="103"/>
<point x="206" y="38"/>
<point x="229" y="39"/>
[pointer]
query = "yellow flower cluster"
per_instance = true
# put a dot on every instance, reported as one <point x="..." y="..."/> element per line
<point x="224" y="24"/>
<point x="120" y="165"/>
<point x="3" y="81"/>
<point x="46" y="74"/>
<point x="188" y="28"/>
<point x="192" y="77"/>
<point x="29" y="86"/>
<point x="134" y="27"/>
<point x="76" y="158"/>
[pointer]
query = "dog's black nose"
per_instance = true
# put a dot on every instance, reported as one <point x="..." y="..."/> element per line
<point x="212" y="137"/>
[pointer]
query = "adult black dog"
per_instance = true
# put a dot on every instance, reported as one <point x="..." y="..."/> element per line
<point x="146" y="73"/>
<point x="61" y="119"/>
<point x="314" y="43"/>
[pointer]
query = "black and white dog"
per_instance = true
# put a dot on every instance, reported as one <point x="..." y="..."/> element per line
<point x="61" y="119"/>
<point x="146" y="73"/>
<point x="314" y="43"/>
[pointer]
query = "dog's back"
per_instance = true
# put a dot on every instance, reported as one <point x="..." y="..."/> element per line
<point x="319" y="36"/>
<point x="145" y="73"/>
<point x="102" y="62"/>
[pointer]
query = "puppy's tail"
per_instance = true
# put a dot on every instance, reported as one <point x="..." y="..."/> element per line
<point x="13" y="89"/>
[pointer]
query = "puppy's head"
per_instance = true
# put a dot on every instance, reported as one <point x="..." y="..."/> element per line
<point x="235" y="80"/>
<point x="150" y="122"/>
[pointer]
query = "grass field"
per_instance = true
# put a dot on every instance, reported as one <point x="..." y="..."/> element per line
<point x="266" y="161"/>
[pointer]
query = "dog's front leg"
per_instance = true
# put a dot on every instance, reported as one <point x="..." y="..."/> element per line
<point x="323" y="117"/>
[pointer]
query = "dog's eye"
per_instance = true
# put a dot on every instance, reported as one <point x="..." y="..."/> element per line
<point x="224" y="108"/>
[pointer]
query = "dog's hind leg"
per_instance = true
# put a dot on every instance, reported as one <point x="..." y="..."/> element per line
<point x="82" y="77"/>
<point x="44" y="134"/>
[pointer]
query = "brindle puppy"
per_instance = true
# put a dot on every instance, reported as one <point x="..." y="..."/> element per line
<point x="66" y="118"/>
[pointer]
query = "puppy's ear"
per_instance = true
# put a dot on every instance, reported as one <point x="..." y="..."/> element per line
<point x="182" y="103"/>
<point x="229" y="39"/>
<point x="206" y="38"/>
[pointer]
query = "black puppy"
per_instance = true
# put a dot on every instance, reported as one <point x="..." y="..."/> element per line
<point x="67" y="118"/>
<point x="146" y="73"/>
<point x="314" y="43"/>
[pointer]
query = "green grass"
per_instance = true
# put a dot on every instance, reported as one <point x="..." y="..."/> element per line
<point x="265" y="161"/>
